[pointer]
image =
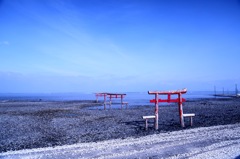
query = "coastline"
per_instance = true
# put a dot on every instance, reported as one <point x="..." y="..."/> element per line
<point x="28" y="125"/>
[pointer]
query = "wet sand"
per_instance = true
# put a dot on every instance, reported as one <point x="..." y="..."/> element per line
<point x="27" y="125"/>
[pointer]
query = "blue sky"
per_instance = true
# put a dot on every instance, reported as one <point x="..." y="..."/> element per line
<point x="118" y="45"/>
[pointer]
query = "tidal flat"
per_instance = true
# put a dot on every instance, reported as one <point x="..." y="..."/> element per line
<point x="37" y="124"/>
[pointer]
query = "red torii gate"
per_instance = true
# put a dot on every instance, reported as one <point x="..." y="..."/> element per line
<point x="111" y="95"/>
<point x="100" y="95"/>
<point x="179" y="100"/>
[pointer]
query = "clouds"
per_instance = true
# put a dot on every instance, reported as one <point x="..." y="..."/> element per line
<point x="6" y="43"/>
<point x="78" y="45"/>
<point x="62" y="35"/>
<point x="14" y="82"/>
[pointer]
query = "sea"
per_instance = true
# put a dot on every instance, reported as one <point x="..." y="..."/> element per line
<point x="133" y="98"/>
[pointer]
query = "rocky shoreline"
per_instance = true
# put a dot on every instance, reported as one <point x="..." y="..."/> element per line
<point x="35" y="124"/>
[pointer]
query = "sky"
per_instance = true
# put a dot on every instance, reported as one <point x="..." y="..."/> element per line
<point x="50" y="46"/>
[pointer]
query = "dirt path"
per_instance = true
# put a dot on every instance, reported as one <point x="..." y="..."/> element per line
<point x="209" y="142"/>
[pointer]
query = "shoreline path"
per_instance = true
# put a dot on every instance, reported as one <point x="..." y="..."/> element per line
<point x="206" y="142"/>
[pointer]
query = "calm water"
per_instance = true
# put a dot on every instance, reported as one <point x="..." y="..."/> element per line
<point x="136" y="98"/>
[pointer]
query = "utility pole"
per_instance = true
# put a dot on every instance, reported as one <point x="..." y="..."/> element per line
<point x="236" y="89"/>
<point x="215" y="91"/>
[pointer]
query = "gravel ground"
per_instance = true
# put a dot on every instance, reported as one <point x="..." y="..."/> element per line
<point x="27" y="125"/>
<point x="217" y="142"/>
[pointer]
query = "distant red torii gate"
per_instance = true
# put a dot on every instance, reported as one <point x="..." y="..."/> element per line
<point x="110" y="96"/>
<point x="179" y="100"/>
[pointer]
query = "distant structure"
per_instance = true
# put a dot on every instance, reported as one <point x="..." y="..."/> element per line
<point x="215" y="92"/>
<point x="236" y="90"/>
<point x="228" y="94"/>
